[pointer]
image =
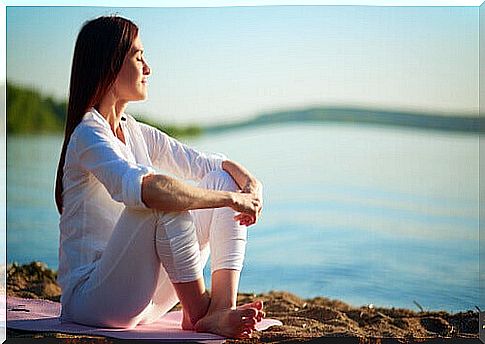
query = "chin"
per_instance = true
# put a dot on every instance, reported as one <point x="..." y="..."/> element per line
<point x="141" y="96"/>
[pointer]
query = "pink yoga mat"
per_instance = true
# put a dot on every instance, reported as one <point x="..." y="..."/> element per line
<point x="43" y="316"/>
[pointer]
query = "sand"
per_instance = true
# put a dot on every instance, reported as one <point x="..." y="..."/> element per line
<point x="303" y="319"/>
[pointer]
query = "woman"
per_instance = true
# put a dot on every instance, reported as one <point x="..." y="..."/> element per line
<point x="134" y="242"/>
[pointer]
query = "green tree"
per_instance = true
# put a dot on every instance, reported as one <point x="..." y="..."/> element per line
<point x="29" y="112"/>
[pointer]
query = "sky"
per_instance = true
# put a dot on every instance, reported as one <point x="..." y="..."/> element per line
<point x="221" y="64"/>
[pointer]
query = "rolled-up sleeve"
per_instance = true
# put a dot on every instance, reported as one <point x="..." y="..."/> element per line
<point x="177" y="158"/>
<point x="98" y="154"/>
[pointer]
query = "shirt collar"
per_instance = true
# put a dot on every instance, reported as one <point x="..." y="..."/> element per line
<point x="100" y="119"/>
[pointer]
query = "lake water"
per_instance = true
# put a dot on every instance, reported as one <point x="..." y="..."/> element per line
<point x="358" y="213"/>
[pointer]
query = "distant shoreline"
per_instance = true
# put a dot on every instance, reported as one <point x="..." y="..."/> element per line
<point x="30" y="112"/>
<point x="360" y="116"/>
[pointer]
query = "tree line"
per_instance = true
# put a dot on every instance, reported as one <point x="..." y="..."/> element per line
<point x="30" y="112"/>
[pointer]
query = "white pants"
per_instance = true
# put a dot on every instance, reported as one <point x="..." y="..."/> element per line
<point x="148" y="251"/>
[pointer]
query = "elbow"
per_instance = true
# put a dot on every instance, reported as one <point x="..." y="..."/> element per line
<point x="157" y="192"/>
<point x="147" y="186"/>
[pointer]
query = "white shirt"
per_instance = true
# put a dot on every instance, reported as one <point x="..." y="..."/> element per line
<point x="102" y="176"/>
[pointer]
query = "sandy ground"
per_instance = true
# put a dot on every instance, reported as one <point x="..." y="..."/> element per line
<point x="303" y="319"/>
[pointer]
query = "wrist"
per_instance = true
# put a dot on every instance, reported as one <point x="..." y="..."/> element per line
<point x="229" y="199"/>
<point x="252" y="185"/>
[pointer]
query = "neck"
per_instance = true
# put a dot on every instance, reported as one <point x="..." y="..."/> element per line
<point x="111" y="109"/>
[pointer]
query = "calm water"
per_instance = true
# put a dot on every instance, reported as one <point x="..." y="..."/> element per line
<point x="362" y="214"/>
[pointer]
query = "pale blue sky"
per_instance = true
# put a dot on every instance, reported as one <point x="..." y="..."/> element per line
<point x="217" y="64"/>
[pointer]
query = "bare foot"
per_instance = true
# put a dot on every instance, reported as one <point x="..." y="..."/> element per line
<point x="231" y="323"/>
<point x="258" y="304"/>
<point x="187" y="323"/>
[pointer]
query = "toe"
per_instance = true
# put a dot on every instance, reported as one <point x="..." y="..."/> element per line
<point x="248" y="331"/>
<point x="250" y="313"/>
<point x="244" y="335"/>
<point x="260" y="315"/>
<point x="250" y="322"/>
<point x="255" y="304"/>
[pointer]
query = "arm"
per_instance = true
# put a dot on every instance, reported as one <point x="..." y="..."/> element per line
<point x="170" y="155"/>
<point x="137" y="185"/>
<point x="248" y="185"/>
<point x="168" y="194"/>
<point x="97" y="153"/>
<point x="246" y="182"/>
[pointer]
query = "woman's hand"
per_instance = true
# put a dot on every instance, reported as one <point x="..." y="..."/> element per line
<point x="249" y="186"/>
<point x="249" y="205"/>
<point x="254" y="188"/>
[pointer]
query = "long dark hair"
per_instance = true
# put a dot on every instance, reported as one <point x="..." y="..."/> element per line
<point x="101" y="47"/>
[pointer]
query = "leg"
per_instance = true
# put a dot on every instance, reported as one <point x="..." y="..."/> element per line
<point x="227" y="241"/>
<point x="206" y="222"/>
<point x="178" y="249"/>
<point x="223" y="314"/>
<point x="120" y="287"/>
<point x="213" y="226"/>
<point x="119" y="292"/>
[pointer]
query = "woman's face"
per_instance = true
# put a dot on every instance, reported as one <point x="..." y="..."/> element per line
<point x="131" y="82"/>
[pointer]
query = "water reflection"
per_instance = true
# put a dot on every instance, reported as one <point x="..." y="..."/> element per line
<point x="365" y="214"/>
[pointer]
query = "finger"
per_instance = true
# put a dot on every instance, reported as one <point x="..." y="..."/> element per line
<point x="246" y="217"/>
<point x="248" y="221"/>
<point x="245" y="222"/>
<point x="238" y="217"/>
<point x="241" y="216"/>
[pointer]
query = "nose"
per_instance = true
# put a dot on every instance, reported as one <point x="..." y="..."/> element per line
<point x="146" y="69"/>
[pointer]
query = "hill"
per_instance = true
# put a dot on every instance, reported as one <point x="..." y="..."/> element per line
<point x="460" y="123"/>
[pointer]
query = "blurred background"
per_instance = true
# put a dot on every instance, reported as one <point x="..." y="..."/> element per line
<point x="361" y="122"/>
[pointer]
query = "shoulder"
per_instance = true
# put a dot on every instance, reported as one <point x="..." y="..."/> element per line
<point x="134" y="124"/>
<point x="91" y="129"/>
<point x="132" y="121"/>
<point x="146" y="129"/>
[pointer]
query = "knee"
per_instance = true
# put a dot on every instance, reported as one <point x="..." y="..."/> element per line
<point x="174" y="223"/>
<point x="219" y="180"/>
<point x="177" y="247"/>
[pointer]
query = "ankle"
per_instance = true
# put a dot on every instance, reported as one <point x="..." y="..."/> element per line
<point x="194" y="314"/>
<point x="220" y="306"/>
